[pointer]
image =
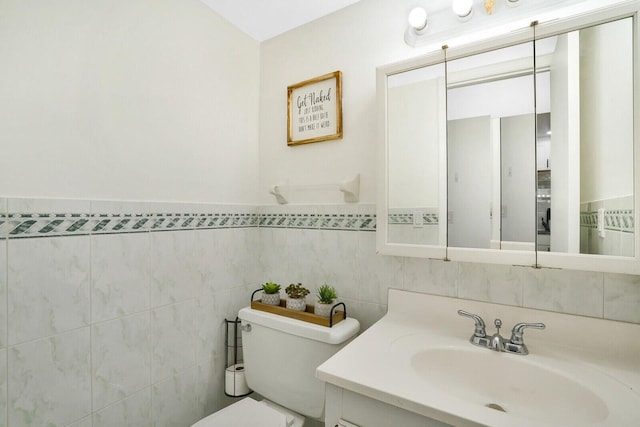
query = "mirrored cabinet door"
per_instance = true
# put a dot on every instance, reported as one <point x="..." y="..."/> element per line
<point x="590" y="178"/>
<point x="416" y="132"/>
<point x="491" y="149"/>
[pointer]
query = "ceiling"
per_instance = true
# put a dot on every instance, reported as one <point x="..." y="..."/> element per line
<point x="264" y="19"/>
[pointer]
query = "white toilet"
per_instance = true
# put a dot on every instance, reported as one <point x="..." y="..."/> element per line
<point x="280" y="358"/>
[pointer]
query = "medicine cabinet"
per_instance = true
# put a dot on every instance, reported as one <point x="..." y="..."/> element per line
<point x="517" y="150"/>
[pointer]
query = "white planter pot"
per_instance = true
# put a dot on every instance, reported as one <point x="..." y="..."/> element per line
<point x="298" y="304"/>
<point x="271" y="299"/>
<point x="322" y="309"/>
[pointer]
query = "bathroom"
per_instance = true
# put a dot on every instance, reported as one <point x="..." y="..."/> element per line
<point x="136" y="107"/>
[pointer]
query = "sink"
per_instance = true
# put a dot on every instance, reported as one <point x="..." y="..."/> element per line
<point x="580" y="372"/>
<point x="509" y="383"/>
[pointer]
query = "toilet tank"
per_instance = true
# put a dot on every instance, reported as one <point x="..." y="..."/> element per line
<point x="281" y="356"/>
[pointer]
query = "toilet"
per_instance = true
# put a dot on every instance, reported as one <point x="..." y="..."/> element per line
<point x="280" y="358"/>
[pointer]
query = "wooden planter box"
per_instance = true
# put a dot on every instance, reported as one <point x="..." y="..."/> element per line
<point x="306" y="316"/>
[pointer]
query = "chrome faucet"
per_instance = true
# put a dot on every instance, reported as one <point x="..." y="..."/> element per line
<point x="496" y="342"/>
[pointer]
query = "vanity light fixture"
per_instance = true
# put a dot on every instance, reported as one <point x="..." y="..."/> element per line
<point x="417" y="25"/>
<point x="463" y="9"/>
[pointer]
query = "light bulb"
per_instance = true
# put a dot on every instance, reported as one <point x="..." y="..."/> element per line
<point x="462" y="8"/>
<point x="418" y="19"/>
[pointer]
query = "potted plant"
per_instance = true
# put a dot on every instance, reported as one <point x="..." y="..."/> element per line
<point x="326" y="296"/>
<point x="296" y="300"/>
<point x="271" y="293"/>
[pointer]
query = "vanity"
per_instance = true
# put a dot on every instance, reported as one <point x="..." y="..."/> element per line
<point x="418" y="367"/>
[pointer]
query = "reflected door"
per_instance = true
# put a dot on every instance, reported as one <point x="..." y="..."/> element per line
<point x="469" y="182"/>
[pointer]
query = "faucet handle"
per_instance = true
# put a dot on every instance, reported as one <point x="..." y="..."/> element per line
<point x="480" y="331"/>
<point x="518" y="331"/>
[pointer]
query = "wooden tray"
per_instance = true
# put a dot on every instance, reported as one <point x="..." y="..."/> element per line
<point x="306" y="316"/>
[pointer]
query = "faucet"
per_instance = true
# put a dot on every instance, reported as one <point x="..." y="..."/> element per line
<point x="496" y="342"/>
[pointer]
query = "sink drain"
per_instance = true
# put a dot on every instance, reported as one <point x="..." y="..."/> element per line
<point x="495" y="406"/>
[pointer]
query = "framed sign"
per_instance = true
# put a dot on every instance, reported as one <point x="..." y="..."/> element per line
<point x="314" y="110"/>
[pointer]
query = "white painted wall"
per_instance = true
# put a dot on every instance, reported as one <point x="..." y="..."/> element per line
<point x="414" y="134"/>
<point x="355" y="40"/>
<point x="606" y="111"/>
<point x="127" y="99"/>
<point x="565" y="122"/>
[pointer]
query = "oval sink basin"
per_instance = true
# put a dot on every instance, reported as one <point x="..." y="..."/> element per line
<point x="509" y="383"/>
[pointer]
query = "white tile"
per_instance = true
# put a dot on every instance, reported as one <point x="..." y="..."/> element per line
<point x="210" y="395"/>
<point x="622" y="297"/>
<point x="172" y="339"/>
<point x="272" y="257"/>
<point x="564" y="291"/>
<point x="119" y="275"/>
<point x="241" y="297"/>
<point x="84" y="422"/>
<point x="431" y="276"/>
<point x="365" y="312"/>
<point x="376" y="273"/>
<point x="174" y="266"/>
<point x="50" y="380"/>
<point x="247" y="268"/>
<point x="337" y="261"/>
<point x="498" y="284"/>
<point x="174" y="400"/>
<point x="3" y="293"/>
<point x="121" y="358"/>
<point x="134" y="411"/>
<point x="302" y="257"/>
<point x="3" y="387"/>
<point x="212" y="310"/>
<point x="48" y="286"/>
<point x="5" y="226"/>
<point x="45" y="206"/>
<point x="119" y="207"/>
<point x="228" y="259"/>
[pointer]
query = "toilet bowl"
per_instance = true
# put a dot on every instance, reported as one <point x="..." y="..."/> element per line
<point x="252" y="413"/>
<point x="295" y="349"/>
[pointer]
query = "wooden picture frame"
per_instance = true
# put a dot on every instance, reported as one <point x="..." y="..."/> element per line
<point x="314" y="109"/>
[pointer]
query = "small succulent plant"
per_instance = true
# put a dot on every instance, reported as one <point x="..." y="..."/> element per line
<point x="326" y="294"/>
<point x="296" y="291"/>
<point x="270" y="288"/>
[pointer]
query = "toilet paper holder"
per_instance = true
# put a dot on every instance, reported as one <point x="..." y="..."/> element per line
<point x="235" y="381"/>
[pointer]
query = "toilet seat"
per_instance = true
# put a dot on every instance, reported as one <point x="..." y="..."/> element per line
<point x="250" y="413"/>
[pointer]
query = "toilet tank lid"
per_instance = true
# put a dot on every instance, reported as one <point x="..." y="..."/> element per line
<point x="339" y="333"/>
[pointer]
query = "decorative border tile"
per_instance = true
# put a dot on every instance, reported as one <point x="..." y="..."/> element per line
<point x="16" y="225"/>
<point x="615" y="220"/>
<point x="407" y="218"/>
<point x="32" y="225"/>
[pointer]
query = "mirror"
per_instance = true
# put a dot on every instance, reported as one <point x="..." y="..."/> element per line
<point x="588" y="185"/>
<point x="535" y="147"/>
<point x="416" y="101"/>
<point x="491" y="149"/>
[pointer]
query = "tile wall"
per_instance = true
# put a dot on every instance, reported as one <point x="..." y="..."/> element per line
<point x="104" y="324"/>
<point x="111" y="313"/>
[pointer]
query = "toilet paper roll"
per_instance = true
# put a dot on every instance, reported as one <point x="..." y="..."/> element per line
<point x="235" y="383"/>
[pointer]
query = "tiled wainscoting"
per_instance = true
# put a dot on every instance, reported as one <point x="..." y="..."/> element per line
<point x="617" y="226"/>
<point x="111" y="313"/>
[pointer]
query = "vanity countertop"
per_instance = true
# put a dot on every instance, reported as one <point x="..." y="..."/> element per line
<point x="587" y="370"/>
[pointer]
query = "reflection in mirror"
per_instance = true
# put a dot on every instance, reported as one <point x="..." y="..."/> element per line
<point x="491" y="149"/>
<point x="417" y="139"/>
<point x="589" y="180"/>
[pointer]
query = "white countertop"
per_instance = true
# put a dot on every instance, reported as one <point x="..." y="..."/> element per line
<point x="598" y="354"/>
